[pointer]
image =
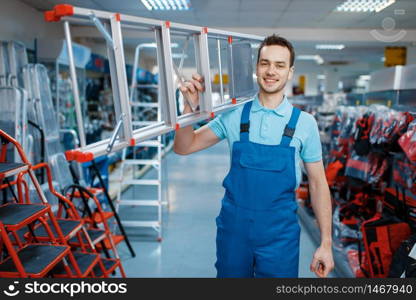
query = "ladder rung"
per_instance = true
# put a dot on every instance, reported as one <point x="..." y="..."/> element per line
<point x="141" y="181"/>
<point x="141" y="223"/>
<point x="143" y="123"/>
<point x="151" y="143"/>
<point x="141" y="162"/>
<point x="139" y="202"/>
<point x="144" y="104"/>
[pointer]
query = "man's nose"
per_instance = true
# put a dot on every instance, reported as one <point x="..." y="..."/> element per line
<point x="271" y="70"/>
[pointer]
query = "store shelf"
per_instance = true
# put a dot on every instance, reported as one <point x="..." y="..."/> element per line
<point x="342" y="267"/>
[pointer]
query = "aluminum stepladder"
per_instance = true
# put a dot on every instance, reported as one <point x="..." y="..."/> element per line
<point x="109" y="24"/>
<point x="139" y="108"/>
<point x="34" y="77"/>
<point x="12" y="59"/>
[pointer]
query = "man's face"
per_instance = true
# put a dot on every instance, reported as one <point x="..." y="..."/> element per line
<point x="273" y="69"/>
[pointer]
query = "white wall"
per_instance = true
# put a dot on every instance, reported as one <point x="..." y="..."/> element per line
<point x="24" y="23"/>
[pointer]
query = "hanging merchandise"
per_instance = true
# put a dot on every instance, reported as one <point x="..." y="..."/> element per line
<point x="402" y="262"/>
<point x="362" y="137"/>
<point x="382" y="236"/>
<point x="373" y="183"/>
<point x="401" y="204"/>
<point x="408" y="141"/>
<point x="333" y="170"/>
<point x="358" y="167"/>
<point x="404" y="173"/>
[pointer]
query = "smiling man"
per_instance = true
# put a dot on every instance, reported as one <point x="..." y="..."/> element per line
<point x="257" y="228"/>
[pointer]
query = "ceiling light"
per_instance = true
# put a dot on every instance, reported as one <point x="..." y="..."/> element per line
<point x="364" y="77"/>
<point x="319" y="60"/>
<point x="364" y="5"/>
<point x="330" y="47"/>
<point x="167" y="4"/>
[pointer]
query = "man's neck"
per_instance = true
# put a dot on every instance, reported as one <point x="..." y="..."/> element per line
<point x="271" y="101"/>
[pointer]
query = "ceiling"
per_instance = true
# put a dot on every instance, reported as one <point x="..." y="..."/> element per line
<point x="258" y="13"/>
<point x="313" y="15"/>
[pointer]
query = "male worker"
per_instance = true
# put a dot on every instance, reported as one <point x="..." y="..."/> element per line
<point x="257" y="228"/>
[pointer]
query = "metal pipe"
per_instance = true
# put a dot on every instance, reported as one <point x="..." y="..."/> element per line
<point x="133" y="73"/>
<point x="133" y="84"/>
<point x="74" y="84"/>
<point x="101" y="29"/>
<point x="115" y="133"/>
<point x="220" y="70"/>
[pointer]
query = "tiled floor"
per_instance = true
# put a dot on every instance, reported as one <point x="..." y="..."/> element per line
<point x="188" y="246"/>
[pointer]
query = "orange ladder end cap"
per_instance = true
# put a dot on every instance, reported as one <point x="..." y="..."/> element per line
<point x="132" y="142"/>
<point x="49" y="16"/>
<point x="62" y="10"/>
<point x="83" y="157"/>
<point x="70" y="155"/>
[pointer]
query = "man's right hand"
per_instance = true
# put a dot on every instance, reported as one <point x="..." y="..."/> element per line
<point x="186" y="140"/>
<point x="190" y="89"/>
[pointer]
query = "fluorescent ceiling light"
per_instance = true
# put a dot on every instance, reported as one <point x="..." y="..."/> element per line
<point x="319" y="60"/>
<point x="365" y="77"/>
<point x="167" y="4"/>
<point x="364" y="5"/>
<point x="330" y="47"/>
<point x="321" y="76"/>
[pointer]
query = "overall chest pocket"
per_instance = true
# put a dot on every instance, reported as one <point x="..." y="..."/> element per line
<point x="263" y="162"/>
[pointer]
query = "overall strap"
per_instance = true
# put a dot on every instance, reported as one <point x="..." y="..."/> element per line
<point x="290" y="127"/>
<point x="245" y="122"/>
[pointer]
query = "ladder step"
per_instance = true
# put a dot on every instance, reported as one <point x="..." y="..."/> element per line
<point x="141" y="181"/>
<point x="141" y="223"/>
<point x="10" y="169"/>
<point x="150" y="143"/>
<point x="139" y="202"/>
<point x="138" y="104"/>
<point x="141" y="162"/>
<point x="143" y="123"/>
<point x="85" y="261"/>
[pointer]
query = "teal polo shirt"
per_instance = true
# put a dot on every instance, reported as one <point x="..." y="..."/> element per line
<point x="266" y="127"/>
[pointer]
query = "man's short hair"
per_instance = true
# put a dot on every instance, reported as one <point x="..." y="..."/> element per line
<point x="279" y="41"/>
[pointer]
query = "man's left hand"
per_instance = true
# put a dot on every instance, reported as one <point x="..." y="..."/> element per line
<point x="322" y="262"/>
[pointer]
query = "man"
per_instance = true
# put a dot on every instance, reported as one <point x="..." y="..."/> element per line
<point x="257" y="229"/>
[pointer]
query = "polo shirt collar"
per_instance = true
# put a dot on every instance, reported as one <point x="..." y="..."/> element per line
<point x="281" y="110"/>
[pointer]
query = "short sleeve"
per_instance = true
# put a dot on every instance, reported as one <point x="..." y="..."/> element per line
<point x="311" y="147"/>
<point x="218" y="127"/>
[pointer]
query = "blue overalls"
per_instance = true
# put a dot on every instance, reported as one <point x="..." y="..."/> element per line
<point x="257" y="228"/>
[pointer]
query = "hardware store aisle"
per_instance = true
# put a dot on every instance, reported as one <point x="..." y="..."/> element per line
<point x="188" y="246"/>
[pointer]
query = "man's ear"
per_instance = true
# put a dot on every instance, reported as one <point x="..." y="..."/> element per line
<point x="291" y="72"/>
